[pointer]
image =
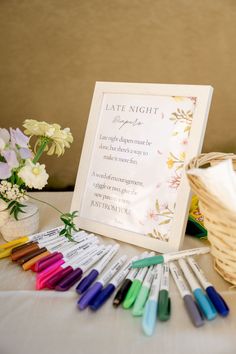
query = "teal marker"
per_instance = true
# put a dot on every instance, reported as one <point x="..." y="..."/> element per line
<point x="147" y="262"/>
<point x="143" y="293"/>
<point x="202" y="300"/>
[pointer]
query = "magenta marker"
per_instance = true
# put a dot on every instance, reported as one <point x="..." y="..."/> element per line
<point x="79" y="268"/>
<point x="73" y="247"/>
<point x="89" y="279"/>
<point x="71" y="266"/>
<point x="93" y="291"/>
<point x="60" y="264"/>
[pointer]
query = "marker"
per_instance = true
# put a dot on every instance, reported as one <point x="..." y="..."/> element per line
<point x="67" y="251"/>
<point x="39" y="248"/>
<point x="89" y="279"/>
<point x="203" y="302"/>
<point x="107" y="291"/>
<point x="37" y="244"/>
<point x="93" y="291"/>
<point x="135" y="287"/>
<point x="50" y="253"/>
<point x="146" y="262"/>
<point x="34" y="237"/>
<point x="79" y="268"/>
<point x="164" y="303"/>
<point x="190" y="305"/>
<point x="150" y="310"/>
<point x="69" y="268"/>
<point x="61" y="265"/>
<point x="143" y="293"/>
<point x="217" y="300"/>
<point x="125" y="286"/>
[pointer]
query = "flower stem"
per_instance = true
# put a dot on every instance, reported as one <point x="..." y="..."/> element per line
<point x="40" y="150"/>
<point x="42" y="201"/>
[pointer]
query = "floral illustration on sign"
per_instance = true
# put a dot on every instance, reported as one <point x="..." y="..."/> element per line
<point x="176" y="161"/>
<point x="163" y="215"/>
<point x="174" y="158"/>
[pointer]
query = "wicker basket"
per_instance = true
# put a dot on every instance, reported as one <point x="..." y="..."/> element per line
<point x="219" y="221"/>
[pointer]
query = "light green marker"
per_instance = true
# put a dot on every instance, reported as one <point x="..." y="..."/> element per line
<point x="136" y="286"/>
<point x="143" y="293"/>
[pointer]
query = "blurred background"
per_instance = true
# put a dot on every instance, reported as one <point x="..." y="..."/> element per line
<point x="53" y="52"/>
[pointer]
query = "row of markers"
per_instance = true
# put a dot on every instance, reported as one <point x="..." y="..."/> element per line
<point x="59" y="264"/>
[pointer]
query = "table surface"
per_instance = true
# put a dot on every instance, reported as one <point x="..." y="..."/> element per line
<point x="49" y="322"/>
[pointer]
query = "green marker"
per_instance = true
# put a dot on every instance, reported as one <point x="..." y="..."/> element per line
<point x="147" y="262"/>
<point x="136" y="286"/>
<point x="164" y="303"/>
<point x="143" y="293"/>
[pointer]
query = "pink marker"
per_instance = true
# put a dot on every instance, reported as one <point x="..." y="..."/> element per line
<point x="42" y="277"/>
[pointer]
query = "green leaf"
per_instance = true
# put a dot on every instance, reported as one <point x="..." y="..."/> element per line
<point x="11" y="204"/>
<point x="165" y="222"/>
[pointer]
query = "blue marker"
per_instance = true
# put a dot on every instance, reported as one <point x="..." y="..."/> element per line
<point x="219" y="303"/>
<point x="102" y="281"/>
<point x="89" y="279"/>
<point x="202" y="300"/>
<point x="107" y="291"/>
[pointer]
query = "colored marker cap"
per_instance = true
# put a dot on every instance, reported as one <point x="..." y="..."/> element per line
<point x="149" y="317"/>
<point x="31" y="255"/>
<point x="132" y="294"/>
<point x="69" y="280"/>
<point x="102" y="297"/>
<point x="85" y="283"/>
<point x="45" y="263"/>
<point x="193" y="311"/>
<point x="164" y="305"/>
<point x="205" y="304"/>
<point x="89" y="295"/>
<point x="140" y="301"/>
<point x="147" y="262"/>
<point x="122" y="292"/>
<point x="57" y="277"/>
<point x="10" y="244"/>
<point x="217" y="300"/>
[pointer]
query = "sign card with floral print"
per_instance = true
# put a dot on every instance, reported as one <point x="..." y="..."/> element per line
<point x="131" y="184"/>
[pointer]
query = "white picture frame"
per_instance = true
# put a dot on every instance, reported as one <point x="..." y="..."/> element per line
<point x="123" y="118"/>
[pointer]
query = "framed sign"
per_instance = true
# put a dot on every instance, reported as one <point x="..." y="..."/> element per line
<point x="130" y="184"/>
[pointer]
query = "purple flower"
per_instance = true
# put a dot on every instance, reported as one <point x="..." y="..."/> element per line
<point x="18" y="138"/>
<point x="5" y="171"/>
<point x="4" y="138"/>
<point x="25" y="153"/>
<point x="10" y="157"/>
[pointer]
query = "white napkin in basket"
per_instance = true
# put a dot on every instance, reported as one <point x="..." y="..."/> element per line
<point x="220" y="180"/>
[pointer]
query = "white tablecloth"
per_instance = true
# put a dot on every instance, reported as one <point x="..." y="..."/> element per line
<point x="49" y="322"/>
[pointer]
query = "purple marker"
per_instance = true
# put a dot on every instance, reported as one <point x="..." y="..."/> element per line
<point x="92" y="292"/>
<point x="89" y="279"/>
<point x="78" y="268"/>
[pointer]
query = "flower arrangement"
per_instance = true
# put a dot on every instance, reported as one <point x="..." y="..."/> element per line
<point x="21" y="171"/>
